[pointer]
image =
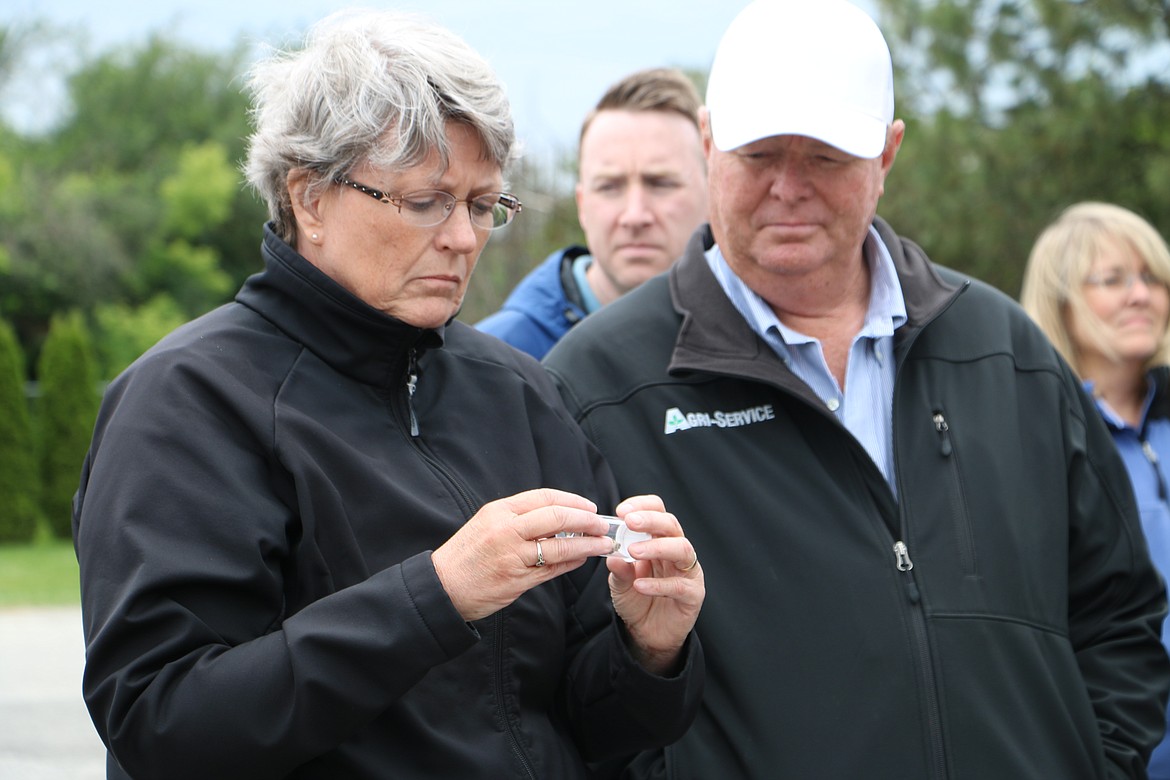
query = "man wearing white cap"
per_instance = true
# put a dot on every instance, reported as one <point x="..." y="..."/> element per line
<point x="922" y="552"/>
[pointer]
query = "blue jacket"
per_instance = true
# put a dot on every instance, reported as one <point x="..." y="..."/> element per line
<point x="539" y="311"/>
<point x="1151" y="484"/>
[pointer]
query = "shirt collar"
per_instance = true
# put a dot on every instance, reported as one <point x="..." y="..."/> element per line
<point x="588" y="299"/>
<point x="887" y="306"/>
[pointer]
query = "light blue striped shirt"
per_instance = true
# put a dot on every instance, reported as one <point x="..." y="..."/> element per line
<point x="866" y="406"/>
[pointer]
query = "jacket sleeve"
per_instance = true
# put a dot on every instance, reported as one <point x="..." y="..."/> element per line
<point x="1117" y="600"/>
<point x="615" y="707"/>
<point x="195" y="667"/>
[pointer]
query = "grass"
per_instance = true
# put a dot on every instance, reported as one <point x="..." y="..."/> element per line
<point x="42" y="573"/>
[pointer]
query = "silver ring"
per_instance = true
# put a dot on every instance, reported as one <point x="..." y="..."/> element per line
<point x="539" y="555"/>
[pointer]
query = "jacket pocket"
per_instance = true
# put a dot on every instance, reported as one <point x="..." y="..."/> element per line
<point x="956" y="501"/>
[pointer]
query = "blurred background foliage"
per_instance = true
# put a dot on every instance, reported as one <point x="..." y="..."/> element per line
<point x="130" y="208"/>
<point x="1016" y="109"/>
<point x="127" y="215"/>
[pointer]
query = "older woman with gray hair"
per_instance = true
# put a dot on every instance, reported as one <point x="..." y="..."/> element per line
<point x="328" y="531"/>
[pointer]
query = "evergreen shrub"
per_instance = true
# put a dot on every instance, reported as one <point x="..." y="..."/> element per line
<point x="19" y="499"/>
<point x="67" y="407"/>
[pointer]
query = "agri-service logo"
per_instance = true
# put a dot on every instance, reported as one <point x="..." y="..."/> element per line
<point x="678" y="420"/>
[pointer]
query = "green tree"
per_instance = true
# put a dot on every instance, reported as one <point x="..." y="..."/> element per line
<point x="1017" y="109"/>
<point x="19" y="507"/>
<point x="133" y="194"/>
<point x="125" y="332"/>
<point x="9" y="204"/>
<point x="134" y="107"/>
<point x="60" y="253"/>
<point x="67" y="409"/>
<point x="197" y="200"/>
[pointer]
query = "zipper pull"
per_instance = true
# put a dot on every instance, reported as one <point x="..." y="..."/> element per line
<point x="411" y="385"/>
<point x="944" y="432"/>
<point x="902" y="556"/>
<point x="1148" y="451"/>
<point x="1152" y="457"/>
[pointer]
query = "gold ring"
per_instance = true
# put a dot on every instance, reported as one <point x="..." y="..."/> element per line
<point x="694" y="563"/>
<point x="540" y="555"/>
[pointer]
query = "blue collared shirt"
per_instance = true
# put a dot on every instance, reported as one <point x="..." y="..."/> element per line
<point x="588" y="299"/>
<point x="866" y="406"/>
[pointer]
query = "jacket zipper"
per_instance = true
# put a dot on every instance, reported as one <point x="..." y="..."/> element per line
<point x="944" y="433"/>
<point x="463" y="493"/>
<point x="464" y="496"/>
<point x="411" y="385"/>
<point x="498" y="691"/>
<point x="959" y="520"/>
<point x="905" y="565"/>
<point x="1152" y="457"/>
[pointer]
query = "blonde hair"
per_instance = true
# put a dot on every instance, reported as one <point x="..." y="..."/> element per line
<point x="1061" y="259"/>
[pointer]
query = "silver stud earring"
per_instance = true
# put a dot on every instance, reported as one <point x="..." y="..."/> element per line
<point x="314" y="236"/>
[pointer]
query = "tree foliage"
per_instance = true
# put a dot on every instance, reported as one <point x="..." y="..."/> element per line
<point x="1016" y="110"/>
<point x="130" y="209"/>
<point x="134" y="109"/>
<point x="134" y="194"/>
<point x="19" y="480"/>
<point x="127" y="331"/>
<point x="67" y="410"/>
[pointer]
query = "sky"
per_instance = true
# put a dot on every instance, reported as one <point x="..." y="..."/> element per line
<point x="555" y="57"/>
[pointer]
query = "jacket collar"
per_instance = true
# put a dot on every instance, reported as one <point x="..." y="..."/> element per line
<point x="548" y="293"/>
<point x="715" y="337"/>
<point x="335" y="325"/>
<point x="1160" y="406"/>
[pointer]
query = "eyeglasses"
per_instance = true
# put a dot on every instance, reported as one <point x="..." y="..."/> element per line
<point x="427" y="208"/>
<point x="1123" y="281"/>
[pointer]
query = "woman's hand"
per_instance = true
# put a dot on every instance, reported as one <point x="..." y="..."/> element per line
<point x="659" y="595"/>
<point x="508" y="547"/>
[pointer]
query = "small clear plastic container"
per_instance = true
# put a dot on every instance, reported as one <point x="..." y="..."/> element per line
<point x="621" y="535"/>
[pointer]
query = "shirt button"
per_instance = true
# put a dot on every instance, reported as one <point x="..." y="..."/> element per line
<point x="833" y="404"/>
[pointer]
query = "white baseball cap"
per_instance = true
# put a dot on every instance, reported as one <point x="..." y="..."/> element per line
<point x="817" y="68"/>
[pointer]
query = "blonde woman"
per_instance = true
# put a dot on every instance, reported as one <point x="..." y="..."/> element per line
<point x="1098" y="283"/>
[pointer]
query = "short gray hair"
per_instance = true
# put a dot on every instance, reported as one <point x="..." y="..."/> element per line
<point x="367" y="86"/>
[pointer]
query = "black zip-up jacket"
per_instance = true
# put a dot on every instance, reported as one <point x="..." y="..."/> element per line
<point x="999" y="618"/>
<point x="254" y="527"/>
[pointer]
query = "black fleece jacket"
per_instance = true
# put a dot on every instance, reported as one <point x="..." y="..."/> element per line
<point x="998" y="618"/>
<point x="254" y="526"/>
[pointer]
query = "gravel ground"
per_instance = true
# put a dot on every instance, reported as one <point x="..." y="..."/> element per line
<point x="45" y="731"/>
